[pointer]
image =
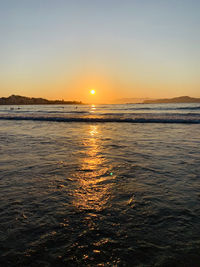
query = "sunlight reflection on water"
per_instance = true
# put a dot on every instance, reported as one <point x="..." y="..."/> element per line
<point x="93" y="194"/>
<point x="94" y="179"/>
<point x="92" y="108"/>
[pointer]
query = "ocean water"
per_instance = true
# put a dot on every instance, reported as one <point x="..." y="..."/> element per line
<point x="106" y="185"/>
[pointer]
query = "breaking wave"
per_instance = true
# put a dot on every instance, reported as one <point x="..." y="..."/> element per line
<point x="159" y="108"/>
<point x="162" y="119"/>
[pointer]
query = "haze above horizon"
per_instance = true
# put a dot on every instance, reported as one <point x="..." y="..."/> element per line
<point x="121" y="49"/>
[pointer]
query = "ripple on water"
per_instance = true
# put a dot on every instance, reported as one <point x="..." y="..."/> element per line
<point x="90" y="194"/>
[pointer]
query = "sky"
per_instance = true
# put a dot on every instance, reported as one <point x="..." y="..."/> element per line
<point x="132" y="48"/>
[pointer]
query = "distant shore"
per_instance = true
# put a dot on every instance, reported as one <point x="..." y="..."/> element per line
<point x="23" y="100"/>
<point x="181" y="99"/>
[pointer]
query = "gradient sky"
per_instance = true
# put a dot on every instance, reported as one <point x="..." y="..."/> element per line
<point x="122" y="48"/>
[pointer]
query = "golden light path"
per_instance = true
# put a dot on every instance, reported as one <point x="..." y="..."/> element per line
<point x="93" y="108"/>
<point x="94" y="191"/>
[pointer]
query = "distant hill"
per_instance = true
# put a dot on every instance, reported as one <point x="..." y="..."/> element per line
<point x="181" y="99"/>
<point x="23" y="100"/>
<point x="130" y="100"/>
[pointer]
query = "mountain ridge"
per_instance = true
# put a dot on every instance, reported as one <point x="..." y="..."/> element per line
<point x="23" y="100"/>
<point x="180" y="99"/>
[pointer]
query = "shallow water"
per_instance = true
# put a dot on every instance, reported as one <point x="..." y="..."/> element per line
<point x="132" y="113"/>
<point x="98" y="194"/>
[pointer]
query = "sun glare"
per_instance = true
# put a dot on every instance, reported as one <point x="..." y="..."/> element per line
<point x="92" y="92"/>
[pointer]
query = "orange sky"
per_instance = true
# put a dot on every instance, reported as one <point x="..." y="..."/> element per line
<point x="122" y="49"/>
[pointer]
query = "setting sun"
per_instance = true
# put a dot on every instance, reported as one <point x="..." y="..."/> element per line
<point x="92" y="92"/>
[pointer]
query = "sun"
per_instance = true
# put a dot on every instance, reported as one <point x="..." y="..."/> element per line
<point x="92" y="92"/>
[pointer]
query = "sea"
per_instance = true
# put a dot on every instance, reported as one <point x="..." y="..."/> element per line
<point x="100" y="185"/>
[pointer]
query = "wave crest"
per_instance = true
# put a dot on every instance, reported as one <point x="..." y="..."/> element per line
<point x="189" y="120"/>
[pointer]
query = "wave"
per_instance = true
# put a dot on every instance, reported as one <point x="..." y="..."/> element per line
<point x="44" y="111"/>
<point x="159" y="108"/>
<point x="184" y="120"/>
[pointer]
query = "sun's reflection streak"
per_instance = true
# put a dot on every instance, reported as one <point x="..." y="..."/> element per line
<point x="94" y="179"/>
<point x="93" y="131"/>
<point x="93" y="108"/>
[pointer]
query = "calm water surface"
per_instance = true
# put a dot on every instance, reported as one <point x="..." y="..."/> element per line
<point x="100" y="193"/>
